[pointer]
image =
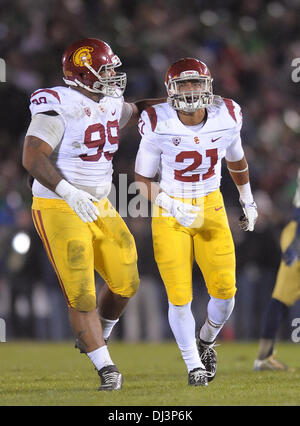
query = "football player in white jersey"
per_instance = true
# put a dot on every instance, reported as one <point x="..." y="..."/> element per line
<point x="68" y="149"/>
<point x="185" y="140"/>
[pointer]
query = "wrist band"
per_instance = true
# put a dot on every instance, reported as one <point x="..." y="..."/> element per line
<point x="238" y="171"/>
<point x="245" y="193"/>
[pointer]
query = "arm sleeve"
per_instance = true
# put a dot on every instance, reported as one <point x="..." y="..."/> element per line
<point x="149" y="153"/>
<point x="235" y="150"/>
<point x="296" y="199"/>
<point x="48" y="128"/>
<point x="126" y="114"/>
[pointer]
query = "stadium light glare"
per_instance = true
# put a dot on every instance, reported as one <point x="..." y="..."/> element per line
<point x="209" y="18"/>
<point x="275" y="9"/>
<point x="21" y="243"/>
<point x="292" y="120"/>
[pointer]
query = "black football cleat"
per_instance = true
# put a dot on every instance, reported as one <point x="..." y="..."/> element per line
<point x="208" y="357"/>
<point x="111" y="378"/>
<point x="197" y="377"/>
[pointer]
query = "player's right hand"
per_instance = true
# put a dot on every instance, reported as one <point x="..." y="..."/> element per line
<point x="183" y="212"/>
<point x="79" y="201"/>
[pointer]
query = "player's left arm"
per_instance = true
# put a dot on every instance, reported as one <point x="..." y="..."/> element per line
<point x="292" y="253"/>
<point x="238" y="168"/>
<point x="131" y="111"/>
<point x="240" y="175"/>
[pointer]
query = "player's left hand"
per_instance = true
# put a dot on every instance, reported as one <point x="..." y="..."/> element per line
<point x="292" y="253"/>
<point x="247" y="221"/>
<point x="289" y="256"/>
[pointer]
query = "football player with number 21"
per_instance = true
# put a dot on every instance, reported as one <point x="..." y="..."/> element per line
<point x="68" y="149"/>
<point x="185" y="140"/>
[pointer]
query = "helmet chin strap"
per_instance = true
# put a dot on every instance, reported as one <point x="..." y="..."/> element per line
<point x="78" y="83"/>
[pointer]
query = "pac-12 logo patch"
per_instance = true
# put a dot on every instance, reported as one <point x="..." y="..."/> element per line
<point x="176" y="140"/>
<point x="82" y="56"/>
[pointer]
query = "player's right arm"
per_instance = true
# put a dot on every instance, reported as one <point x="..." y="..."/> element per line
<point x="44" y="134"/>
<point x="36" y="160"/>
<point x="146" y="167"/>
<point x="147" y="163"/>
<point x="138" y="107"/>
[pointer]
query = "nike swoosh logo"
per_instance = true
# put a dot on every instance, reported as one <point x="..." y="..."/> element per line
<point x="113" y="113"/>
<point x="219" y="208"/>
<point x="214" y="140"/>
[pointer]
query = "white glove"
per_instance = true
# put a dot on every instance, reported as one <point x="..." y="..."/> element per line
<point x="80" y="201"/>
<point x="184" y="213"/>
<point x="296" y="199"/>
<point x="247" y="221"/>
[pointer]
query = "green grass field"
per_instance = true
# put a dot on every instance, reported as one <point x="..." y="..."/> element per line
<point x="154" y="374"/>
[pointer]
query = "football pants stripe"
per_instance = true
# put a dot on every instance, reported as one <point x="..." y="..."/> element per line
<point x="42" y="233"/>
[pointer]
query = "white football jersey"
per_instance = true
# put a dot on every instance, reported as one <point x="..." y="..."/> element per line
<point x="91" y="138"/>
<point x="188" y="158"/>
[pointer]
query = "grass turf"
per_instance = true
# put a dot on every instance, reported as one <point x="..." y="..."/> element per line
<point x="55" y="374"/>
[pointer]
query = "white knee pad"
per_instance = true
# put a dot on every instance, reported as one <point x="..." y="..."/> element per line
<point x="219" y="310"/>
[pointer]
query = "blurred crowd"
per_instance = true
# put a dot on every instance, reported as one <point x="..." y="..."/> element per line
<point x="249" y="47"/>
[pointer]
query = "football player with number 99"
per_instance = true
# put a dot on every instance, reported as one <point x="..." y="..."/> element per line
<point x="185" y="141"/>
<point x="68" y="149"/>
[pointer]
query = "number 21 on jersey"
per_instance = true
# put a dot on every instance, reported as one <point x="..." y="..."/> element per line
<point x="197" y="157"/>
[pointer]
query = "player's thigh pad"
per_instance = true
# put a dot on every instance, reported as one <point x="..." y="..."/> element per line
<point x="68" y="243"/>
<point x="287" y="286"/>
<point x="214" y="249"/>
<point x="287" y="235"/>
<point x="173" y="252"/>
<point x="115" y="251"/>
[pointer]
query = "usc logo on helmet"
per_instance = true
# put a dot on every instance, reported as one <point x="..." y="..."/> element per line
<point x="82" y="56"/>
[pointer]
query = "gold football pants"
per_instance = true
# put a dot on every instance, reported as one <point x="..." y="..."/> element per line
<point x="287" y="286"/>
<point x="210" y="243"/>
<point x="76" y="249"/>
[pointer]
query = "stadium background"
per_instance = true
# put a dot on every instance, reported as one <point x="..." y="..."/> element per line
<point x="249" y="47"/>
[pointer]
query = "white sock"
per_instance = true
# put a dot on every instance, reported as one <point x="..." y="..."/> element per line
<point x="191" y="357"/>
<point x="209" y="331"/>
<point x="218" y="312"/>
<point x="182" y="323"/>
<point x="100" y="357"/>
<point x="107" y="326"/>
